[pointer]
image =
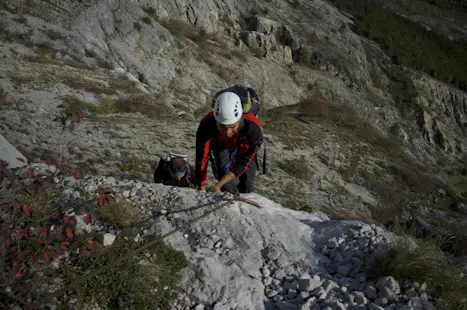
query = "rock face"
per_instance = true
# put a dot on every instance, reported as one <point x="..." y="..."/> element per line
<point x="443" y="114"/>
<point x="10" y="154"/>
<point x="243" y="257"/>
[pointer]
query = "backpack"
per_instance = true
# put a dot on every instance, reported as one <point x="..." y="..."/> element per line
<point x="248" y="97"/>
<point x="250" y="104"/>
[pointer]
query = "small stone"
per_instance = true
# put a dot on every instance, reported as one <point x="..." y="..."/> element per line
<point x="126" y="193"/>
<point x="279" y="274"/>
<point x="290" y="285"/>
<point x="309" y="304"/>
<point x="266" y="272"/>
<point x="292" y="294"/>
<point x="271" y="293"/>
<point x="185" y="236"/>
<point x="320" y="292"/>
<point x="344" y="289"/>
<point x="343" y="270"/>
<point x="329" y="285"/>
<point x="219" y="306"/>
<point x="332" y="243"/>
<point x="362" y="278"/>
<point x="307" y="283"/>
<point x="411" y="293"/>
<point x="339" y="306"/>
<point x="424" y="296"/>
<point x="375" y="307"/>
<point x="360" y="298"/>
<point x="344" y="281"/>
<point x="108" y="239"/>
<point x="277" y="298"/>
<point x="289" y="278"/>
<point x="163" y="211"/>
<point x="388" y="282"/>
<point x="387" y="293"/>
<point x="349" y="298"/>
<point x="199" y="307"/>
<point x="282" y="305"/>
<point x="267" y="281"/>
<point x="422" y="287"/>
<point x="218" y="244"/>
<point x="371" y="292"/>
<point x="304" y="295"/>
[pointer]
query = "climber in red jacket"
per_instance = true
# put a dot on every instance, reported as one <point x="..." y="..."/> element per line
<point x="229" y="139"/>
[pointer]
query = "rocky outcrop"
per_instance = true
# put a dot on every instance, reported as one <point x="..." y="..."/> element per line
<point x="10" y="155"/>
<point x="271" y="258"/>
<point x="269" y="39"/>
<point x="443" y="115"/>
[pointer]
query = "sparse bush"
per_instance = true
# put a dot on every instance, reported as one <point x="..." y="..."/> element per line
<point x="258" y="52"/>
<point x="296" y="168"/>
<point x="53" y="35"/>
<point x="131" y="164"/>
<point x="424" y="263"/>
<point x="121" y="214"/>
<point x="304" y="55"/>
<point x="146" y="20"/>
<point x="87" y="85"/>
<point x="21" y="19"/>
<point x="106" y="106"/>
<point x="182" y="30"/>
<point x="144" y="105"/>
<point x="3" y="96"/>
<point x="240" y="55"/>
<point x="124" y="85"/>
<point x="151" y="11"/>
<point x="138" y="26"/>
<point x="295" y="3"/>
<point x="145" y="285"/>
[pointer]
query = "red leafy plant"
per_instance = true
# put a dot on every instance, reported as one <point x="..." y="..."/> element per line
<point x="34" y="230"/>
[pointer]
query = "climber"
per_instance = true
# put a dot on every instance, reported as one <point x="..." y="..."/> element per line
<point x="250" y="104"/>
<point x="230" y="140"/>
<point x="173" y="169"/>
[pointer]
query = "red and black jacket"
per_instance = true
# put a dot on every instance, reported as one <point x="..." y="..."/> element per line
<point x="208" y="138"/>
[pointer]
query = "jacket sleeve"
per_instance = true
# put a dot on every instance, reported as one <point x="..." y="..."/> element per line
<point x="242" y="163"/>
<point x="203" y="144"/>
<point x="159" y="173"/>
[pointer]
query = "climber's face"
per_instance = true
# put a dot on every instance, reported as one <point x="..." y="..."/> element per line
<point x="228" y="130"/>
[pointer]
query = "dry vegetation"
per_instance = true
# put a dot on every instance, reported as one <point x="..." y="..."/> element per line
<point x="424" y="263"/>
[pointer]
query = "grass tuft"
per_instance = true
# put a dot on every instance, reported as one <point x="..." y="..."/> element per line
<point x="131" y="283"/>
<point x="121" y="214"/>
<point x="423" y="263"/>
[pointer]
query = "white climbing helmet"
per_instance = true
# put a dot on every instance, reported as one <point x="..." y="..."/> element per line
<point x="228" y="108"/>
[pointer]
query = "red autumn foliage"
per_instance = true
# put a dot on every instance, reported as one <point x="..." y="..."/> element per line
<point x="69" y="233"/>
<point x="26" y="210"/>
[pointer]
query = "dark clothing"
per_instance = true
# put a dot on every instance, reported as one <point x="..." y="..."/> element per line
<point x="163" y="175"/>
<point x="243" y="184"/>
<point x="236" y="154"/>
